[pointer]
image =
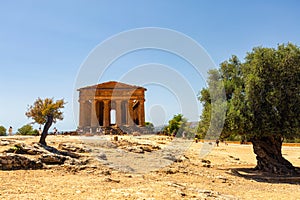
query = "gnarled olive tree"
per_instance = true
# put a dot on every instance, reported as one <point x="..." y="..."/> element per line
<point x="263" y="98"/>
<point x="45" y="111"/>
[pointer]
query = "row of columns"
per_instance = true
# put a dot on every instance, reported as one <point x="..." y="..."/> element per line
<point x="88" y="112"/>
<point x="106" y="113"/>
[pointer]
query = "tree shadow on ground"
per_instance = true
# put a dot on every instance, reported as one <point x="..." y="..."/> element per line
<point x="259" y="176"/>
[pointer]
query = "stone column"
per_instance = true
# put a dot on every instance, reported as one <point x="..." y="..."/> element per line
<point x="106" y="113"/>
<point x="130" y="113"/>
<point x="141" y="110"/>
<point x="81" y="114"/>
<point x="124" y="112"/>
<point x="94" y="118"/>
<point x="118" y="112"/>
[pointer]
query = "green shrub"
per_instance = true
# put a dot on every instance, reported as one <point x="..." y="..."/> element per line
<point x="234" y="137"/>
<point x="2" y="131"/>
<point x="291" y="140"/>
<point x="176" y="125"/>
<point x="149" y="125"/>
<point x="297" y="140"/>
<point x="27" y="130"/>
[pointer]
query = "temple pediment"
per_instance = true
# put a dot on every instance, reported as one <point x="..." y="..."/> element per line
<point x="113" y="85"/>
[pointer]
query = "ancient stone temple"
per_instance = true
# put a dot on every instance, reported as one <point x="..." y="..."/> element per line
<point x="111" y="103"/>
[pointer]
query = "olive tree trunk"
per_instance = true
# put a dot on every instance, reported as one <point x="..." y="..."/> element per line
<point x="45" y="130"/>
<point x="269" y="157"/>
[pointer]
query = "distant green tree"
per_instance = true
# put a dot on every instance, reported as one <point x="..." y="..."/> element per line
<point x="263" y="98"/>
<point x="2" y="131"/>
<point x="27" y="130"/>
<point x="150" y="126"/>
<point x="214" y="107"/>
<point x="46" y="112"/>
<point x="176" y="125"/>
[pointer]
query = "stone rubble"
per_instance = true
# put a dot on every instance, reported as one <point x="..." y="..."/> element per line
<point x="11" y="161"/>
<point x="35" y="156"/>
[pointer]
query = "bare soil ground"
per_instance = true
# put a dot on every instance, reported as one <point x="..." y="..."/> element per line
<point x="223" y="174"/>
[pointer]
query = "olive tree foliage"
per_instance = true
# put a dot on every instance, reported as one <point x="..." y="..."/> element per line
<point x="2" y="131"/>
<point x="272" y="87"/>
<point x="263" y="98"/>
<point x="46" y="111"/>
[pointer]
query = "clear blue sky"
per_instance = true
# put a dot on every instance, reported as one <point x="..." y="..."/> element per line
<point x="43" y="43"/>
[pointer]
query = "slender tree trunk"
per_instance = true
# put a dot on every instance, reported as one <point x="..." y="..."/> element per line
<point x="45" y="130"/>
<point x="269" y="157"/>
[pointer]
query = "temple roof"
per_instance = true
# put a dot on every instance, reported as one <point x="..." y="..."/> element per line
<point x="112" y="85"/>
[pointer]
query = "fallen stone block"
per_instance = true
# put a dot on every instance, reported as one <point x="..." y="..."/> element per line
<point x="52" y="159"/>
<point x="12" y="161"/>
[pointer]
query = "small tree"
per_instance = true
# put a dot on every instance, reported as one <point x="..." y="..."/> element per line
<point x="27" y="130"/>
<point x="46" y="112"/>
<point x="149" y="126"/>
<point x="2" y="131"/>
<point x="176" y="125"/>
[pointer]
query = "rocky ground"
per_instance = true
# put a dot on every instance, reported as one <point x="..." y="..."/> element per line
<point x="136" y="167"/>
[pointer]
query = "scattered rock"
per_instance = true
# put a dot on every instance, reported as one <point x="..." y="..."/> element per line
<point x="135" y="149"/>
<point x="52" y="159"/>
<point x="111" y="180"/>
<point x="69" y="154"/>
<point x="146" y="148"/>
<point x="101" y="156"/>
<point x="60" y="152"/>
<point x="4" y="142"/>
<point x="182" y="158"/>
<point x="234" y="158"/>
<point x="72" y="148"/>
<point x="106" y="172"/>
<point x="120" y="168"/>
<point x="76" y="162"/>
<point x="12" y="161"/>
<point x="136" y="134"/>
<point x="48" y="155"/>
<point x="224" y="179"/>
<point x="115" y="138"/>
<point x="206" y="163"/>
<point x="104" y="144"/>
<point x="182" y="194"/>
<point x="171" y="171"/>
<point x="170" y="157"/>
<point x="208" y="194"/>
<point x="177" y="185"/>
<point x="22" y="148"/>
